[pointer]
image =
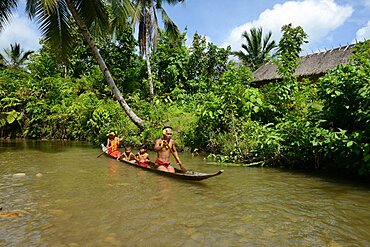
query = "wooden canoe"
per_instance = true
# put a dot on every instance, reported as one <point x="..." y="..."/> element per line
<point x="188" y="175"/>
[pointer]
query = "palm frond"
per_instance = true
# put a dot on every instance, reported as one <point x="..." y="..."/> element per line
<point x="2" y="60"/>
<point x="49" y="5"/>
<point x="146" y="15"/>
<point x="32" y="8"/>
<point x="6" y="9"/>
<point x="15" y="52"/>
<point x="267" y="44"/>
<point x="257" y="47"/>
<point x="154" y="29"/>
<point x="169" y="26"/>
<point x="24" y="57"/>
<point x="94" y="15"/>
<point x="16" y="56"/>
<point x="122" y="11"/>
<point x="266" y="39"/>
<point x="55" y="28"/>
<point x="242" y="57"/>
<point x="138" y="12"/>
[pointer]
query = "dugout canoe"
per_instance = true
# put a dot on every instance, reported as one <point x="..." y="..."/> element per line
<point x="188" y="175"/>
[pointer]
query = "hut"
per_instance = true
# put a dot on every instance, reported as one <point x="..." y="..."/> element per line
<point x="311" y="66"/>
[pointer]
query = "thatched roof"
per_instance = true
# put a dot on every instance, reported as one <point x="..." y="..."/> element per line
<point x="313" y="64"/>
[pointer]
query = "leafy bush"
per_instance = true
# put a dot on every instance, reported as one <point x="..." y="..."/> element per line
<point x="345" y="93"/>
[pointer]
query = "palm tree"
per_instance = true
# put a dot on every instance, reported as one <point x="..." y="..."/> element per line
<point x="2" y="61"/>
<point x="257" y="50"/>
<point x="146" y="15"/>
<point x="54" y="17"/>
<point x="16" y="55"/>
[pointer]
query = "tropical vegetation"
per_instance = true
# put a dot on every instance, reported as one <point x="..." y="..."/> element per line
<point x="146" y="14"/>
<point x="209" y="99"/>
<point x="257" y="50"/>
<point x="15" y="56"/>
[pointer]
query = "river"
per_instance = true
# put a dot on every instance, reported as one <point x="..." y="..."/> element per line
<point x="65" y="196"/>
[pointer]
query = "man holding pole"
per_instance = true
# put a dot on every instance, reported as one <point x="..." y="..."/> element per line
<point x="164" y="147"/>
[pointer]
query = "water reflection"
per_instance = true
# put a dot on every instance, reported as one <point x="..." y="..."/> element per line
<point x="81" y="200"/>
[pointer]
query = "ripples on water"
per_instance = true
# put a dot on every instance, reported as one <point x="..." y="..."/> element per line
<point x="68" y="197"/>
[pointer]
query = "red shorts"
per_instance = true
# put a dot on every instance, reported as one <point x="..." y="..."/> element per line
<point x="115" y="154"/>
<point x="162" y="163"/>
<point x="144" y="164"/>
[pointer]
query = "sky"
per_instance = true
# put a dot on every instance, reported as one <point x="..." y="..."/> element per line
<point x="328" y="23"/>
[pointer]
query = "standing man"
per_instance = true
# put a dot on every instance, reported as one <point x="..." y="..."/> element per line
<point x="164" y="147"/>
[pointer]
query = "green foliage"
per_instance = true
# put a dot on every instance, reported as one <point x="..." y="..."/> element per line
<point x="147" y="12"/>
<point x="345" y="93"/>
<point x="206" y="98"/>
<point x="229" y="100"/>
<point x="206" y="64"/>
<point x="290" y="45"/>
<point x="249" y="142"/>
<point x="13" y="90"/>
<point x="168" y="63"/>
<point x="54" y="107"/>
<point x="107" y="116"/>
<point x="283" y="95"/>
<point x="126" y="67"/>
<point x="257" y="49"/>
<point x="190" y="71"/>
<point x="159" y="113"/>
<point x="16" y="56"/>
<point x="42" y="65"/>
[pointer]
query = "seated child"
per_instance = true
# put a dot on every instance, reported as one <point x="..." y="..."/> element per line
<point x="142" y="157"/>
<point x="128" y="155"/>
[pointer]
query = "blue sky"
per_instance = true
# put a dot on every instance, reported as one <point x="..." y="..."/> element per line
<point x="328" y="23"/>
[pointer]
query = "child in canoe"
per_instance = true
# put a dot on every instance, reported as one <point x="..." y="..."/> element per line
<point x="128" y="155"/>
<point x="142" y="157"/>
<point x="112" y="144"/>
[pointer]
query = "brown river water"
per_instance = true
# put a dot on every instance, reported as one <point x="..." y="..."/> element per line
<point x="69" y="197"/>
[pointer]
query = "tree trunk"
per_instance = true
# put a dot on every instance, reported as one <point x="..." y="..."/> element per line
<point x="150" y="77"/>
<point x="108" y="77"/>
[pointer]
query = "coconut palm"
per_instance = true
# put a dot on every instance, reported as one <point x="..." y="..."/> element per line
<point x="16" y="56"/>
<point x="146" y="15"/>
<point x="2" y="61"/>
<point x="257" y="49"/>
<point x="54" y="17"/>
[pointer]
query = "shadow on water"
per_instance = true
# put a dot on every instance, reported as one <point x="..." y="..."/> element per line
<point x="331" y="177"/>
<point x="45" y="146"/>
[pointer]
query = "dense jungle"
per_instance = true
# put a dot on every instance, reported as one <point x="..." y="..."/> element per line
<point x="205" y="92"/>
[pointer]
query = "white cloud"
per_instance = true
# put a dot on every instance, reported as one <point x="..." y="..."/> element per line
<point x="20" y="30"/>
<point x="317" y="18"/>
<point x="363" y="33"/>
